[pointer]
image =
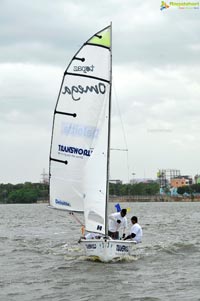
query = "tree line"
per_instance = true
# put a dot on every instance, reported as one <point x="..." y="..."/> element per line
<point x="189" y="189"/>
<point x="33" y="192"/>
<point x="134" y="189"/>
<point x="23" y="193"/>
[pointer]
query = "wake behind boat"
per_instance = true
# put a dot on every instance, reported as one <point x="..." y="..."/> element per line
<point x="80" y="144"/>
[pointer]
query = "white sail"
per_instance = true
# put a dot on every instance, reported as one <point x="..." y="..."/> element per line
<point x="96" y="178"/>
<point x="78" y="155"/>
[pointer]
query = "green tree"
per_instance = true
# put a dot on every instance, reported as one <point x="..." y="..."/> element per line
<point x="23" y="196"/>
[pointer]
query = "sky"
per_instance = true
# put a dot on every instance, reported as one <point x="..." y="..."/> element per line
<point x="156" y="83"/>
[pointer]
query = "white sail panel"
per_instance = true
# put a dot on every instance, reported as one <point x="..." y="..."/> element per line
<point x="95" y="178"/>
<point x="77" y="126"/>
<point x="65" y="191"/>
<point x="73" y="142"/>
<point x="97" y="63"/>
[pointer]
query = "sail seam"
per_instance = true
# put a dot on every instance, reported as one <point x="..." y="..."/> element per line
<point x="88" y="76"/>
<point x="98" y="45"/>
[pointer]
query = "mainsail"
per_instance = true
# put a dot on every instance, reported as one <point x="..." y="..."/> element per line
<point x="80" y="135"/>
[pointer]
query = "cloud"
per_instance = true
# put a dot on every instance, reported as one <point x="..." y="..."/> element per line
<point x="156" y="85"/>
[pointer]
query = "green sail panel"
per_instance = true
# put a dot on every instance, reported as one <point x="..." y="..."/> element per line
<point x="104" y="40"/>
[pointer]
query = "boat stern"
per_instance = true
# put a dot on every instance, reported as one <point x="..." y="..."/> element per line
<point x="107" y="249"/>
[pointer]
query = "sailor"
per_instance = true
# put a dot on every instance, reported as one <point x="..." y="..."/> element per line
<point x="117" y="220"/>
<point x="92" y="236"/>
<point x="136" y="231"/>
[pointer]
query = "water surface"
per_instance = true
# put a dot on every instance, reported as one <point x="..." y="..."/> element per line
<point x="40" y="258"/>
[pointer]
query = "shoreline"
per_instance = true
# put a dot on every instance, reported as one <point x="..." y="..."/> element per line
<point x="136" y="198"/>
<point x="153" y="198"/>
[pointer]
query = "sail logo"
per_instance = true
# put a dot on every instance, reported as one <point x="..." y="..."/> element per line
<point x="121" y="248"/>
<point x="63" y="203"/>
<point x="84" y="69"/>
<point x="74" y="150"/>
<point x="100" y="88"/>
<point x="79" y="130"/>
<point x="91" y="246"/>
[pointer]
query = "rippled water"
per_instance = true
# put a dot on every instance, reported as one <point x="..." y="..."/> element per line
<point x="40" y="258"/>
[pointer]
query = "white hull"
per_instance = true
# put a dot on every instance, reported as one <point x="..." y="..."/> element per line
<point x="107" y="249"/>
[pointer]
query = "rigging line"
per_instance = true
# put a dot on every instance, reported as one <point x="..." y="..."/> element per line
<point x="119" y="149"/>
<point x="123" y="131"/>
<point x="76" y="218"/>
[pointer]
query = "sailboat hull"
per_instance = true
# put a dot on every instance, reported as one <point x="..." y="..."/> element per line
<point x="107" y="249"/>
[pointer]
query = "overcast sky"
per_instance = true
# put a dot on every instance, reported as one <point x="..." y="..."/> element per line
<point x="156" y="82"/>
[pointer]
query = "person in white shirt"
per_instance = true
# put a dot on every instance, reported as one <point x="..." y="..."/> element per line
<point x="92" y="235"/>
<point x="136" y="231"/>
<point x="117" y="220"/>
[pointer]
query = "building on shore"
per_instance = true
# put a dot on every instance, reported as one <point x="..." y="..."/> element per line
<point x="171" y="179"/>
<point x="181" y="181"/>
<point x="164" y="177"/>
<point x="142" y="180"/>
<point x="197" y="179"/>
<point x="117" y="181"/>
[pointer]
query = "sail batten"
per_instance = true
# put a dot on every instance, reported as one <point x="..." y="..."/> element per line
<point x="89" y="76"/>
<point x="56" y="160"/>
<point x="64" y="113"/>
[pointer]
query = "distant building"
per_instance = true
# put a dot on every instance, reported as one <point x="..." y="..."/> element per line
<point x="181" y="181"/>
<point x="164" y="176"/>
<point x="173" y="191"/>
<point x="115" y="181"/>
<point x="197" y="179"/>
<point x="142" y="180"/>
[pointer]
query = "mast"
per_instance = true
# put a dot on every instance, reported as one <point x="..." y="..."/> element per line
<point x="109" y="135"/>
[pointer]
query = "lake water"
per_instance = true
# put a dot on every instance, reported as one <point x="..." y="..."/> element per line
<point x="40" y="258"/>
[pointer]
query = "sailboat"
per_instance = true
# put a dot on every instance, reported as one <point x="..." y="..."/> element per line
<point x="80" y="144"/>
